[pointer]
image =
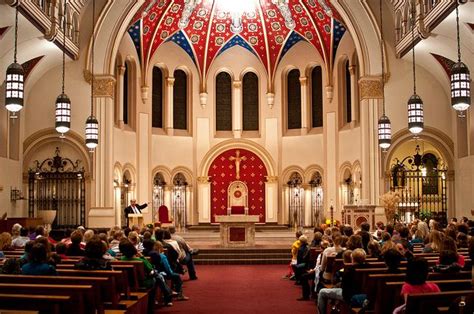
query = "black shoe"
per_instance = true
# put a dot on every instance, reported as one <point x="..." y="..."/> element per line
<point x="302" y="299"/>
<point x="193" y="278"/>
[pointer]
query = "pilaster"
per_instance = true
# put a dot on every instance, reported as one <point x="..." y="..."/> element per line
<point x="237" y="108"/>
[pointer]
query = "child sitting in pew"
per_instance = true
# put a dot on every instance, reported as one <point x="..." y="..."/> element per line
<point x="38" y="262"/>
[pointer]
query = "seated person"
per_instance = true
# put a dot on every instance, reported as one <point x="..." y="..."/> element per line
<point x="302" y="259"/>
<point x="160" y="261"/>
<point x="74" y="248"/>
<point x="61" y="249"/>
<point x="38" y="262"/>
<point x="392" y="259"/>
<point x="94" y="256"/>
<point x="415" y="282"/>
<point x="152" y="280"/>
<point x="350" y="288"/>
<point x="449" y="244"/>
<point x="188" y="251"/>
<point x="448" y="262"/>
<point x="171" y="253"/>
<point x="21" y="240"/>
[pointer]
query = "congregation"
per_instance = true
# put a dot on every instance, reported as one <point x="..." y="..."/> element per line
<point x="344" y="269"/>
<point x="162" y="255"/>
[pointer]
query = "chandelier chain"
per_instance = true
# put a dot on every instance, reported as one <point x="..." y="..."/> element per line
<point x="382" y="55"/>
<point x="457" y="32"/>
<point x="92" y="58"/>
<point x="16" y="34"/>
<point x="413" y="22"/>
<point x="64" y="46"/>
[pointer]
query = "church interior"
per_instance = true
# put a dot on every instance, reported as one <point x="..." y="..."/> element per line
<point x="238" y="123"/>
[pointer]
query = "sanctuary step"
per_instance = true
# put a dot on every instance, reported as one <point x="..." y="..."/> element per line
<point x="258" y="228"/>
<point x="244" y="256"/>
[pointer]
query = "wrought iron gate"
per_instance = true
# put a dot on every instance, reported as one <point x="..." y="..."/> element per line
<point x="420" y="180"/>
<point x="58" y="183"/>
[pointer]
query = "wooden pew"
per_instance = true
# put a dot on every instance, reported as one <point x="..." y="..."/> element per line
<point x="430" y="302"/>
<point x="47" y="304"/>
<point x="82" y="296"/>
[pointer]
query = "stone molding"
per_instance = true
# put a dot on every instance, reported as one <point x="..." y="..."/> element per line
<point x="370" y="88"/>
<point x="103" y="84"/>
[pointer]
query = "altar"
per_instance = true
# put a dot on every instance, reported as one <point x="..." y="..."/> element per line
<point x="237" y="230"/>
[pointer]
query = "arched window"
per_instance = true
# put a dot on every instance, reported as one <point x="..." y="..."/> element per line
<point x="317" y="97"/>
<point x="317" y="199"/>
<point x="180" y="100"/>
<point x="179" y="200"/>
<point x="294" y="99"/>
<point x="296" y="200"/>
<point x="347" y="93"/>
<point x="223" y="102"/>
<point x="250" y="102"/>
<point x="157" y="98"/>
<point x="126" y="87"/>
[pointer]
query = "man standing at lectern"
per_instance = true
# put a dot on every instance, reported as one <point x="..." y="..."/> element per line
<point x="134" y="208"/>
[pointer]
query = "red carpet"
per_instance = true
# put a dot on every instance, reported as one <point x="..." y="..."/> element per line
<point x="241" y="289"/>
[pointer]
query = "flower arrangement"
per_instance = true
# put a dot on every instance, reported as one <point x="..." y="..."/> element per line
<point x="390" y="202"/>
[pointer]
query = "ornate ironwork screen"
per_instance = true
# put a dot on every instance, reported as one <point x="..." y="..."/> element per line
<point x="296" y="201"/>
<point x="58" y="183"/>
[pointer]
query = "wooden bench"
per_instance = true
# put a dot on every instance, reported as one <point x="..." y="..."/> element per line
<point x="47" y="304"/>
<point x="434" y="302"/>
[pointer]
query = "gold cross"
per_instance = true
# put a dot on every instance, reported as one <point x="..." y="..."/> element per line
<point x="237" y="160"/>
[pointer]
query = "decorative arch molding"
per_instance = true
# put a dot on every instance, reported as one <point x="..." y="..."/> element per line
<point x="118" y="172"/>
<point x="286" y="174"/>
<point x="311" y="65"/>
<point x="260" y="151"/>
<point x="249" y="70"/>
<point x="36" y="141"/>
<point x="165" y="171"/>
<point x="310" y="170"/>
<point x="131" y="170"/>
<point x="435" y="137"/>
<point x="342" y="169"/>
<point x="220" y="70"/>
<point x="188" y="174"/>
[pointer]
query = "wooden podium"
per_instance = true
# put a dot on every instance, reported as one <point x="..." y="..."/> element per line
<point x="237" y="230"/>
<point x="135" y="219"/>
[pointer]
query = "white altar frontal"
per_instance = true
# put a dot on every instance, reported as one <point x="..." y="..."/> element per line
<point x="237" y="230"/>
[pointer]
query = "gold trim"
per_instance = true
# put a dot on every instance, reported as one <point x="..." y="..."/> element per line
<point x="203" y="180"/>
<point x="272" y="179"/>
<point x="103" y="84"/>
<point x="370" y="88"/>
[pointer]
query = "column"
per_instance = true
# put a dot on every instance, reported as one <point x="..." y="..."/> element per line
<point x="271" y="199"/>
<point x="304" y="105"/>
<point x="121" y="72"/>
<point x="169" y="105"/>
<point x="102" y="191"/>
<point x="167" y="198"/>
<point x="354" y="94"/>
<point x="237" y="108"/>
<point x="371" y="98"/>
<point x="204" y="199"/>
<point x="307" y="205"/>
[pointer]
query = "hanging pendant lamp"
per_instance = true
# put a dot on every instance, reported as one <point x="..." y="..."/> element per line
<point x="384" y="125"/>
<point x="460" y="79"/>
<point x="14" y="81"/>
<point x="63" y="103"/>
<point x="415" y="104"/>
<point x="92" y="125"/>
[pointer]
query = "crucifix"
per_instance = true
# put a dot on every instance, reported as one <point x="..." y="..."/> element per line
<point x="237" y="160"/>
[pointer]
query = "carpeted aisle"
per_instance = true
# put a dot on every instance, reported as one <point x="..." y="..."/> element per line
<point x="241" y="289"/>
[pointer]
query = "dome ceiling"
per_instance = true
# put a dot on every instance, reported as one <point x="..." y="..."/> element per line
<point x="207" y="28"/>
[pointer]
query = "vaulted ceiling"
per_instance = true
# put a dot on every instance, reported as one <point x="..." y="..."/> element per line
<point x="207" y="28"/>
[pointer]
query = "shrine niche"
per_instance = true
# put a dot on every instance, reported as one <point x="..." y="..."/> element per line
<point x="237" y="178"/>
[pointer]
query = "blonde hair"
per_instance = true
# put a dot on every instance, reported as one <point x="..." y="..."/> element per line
<point x="133" y="237"/>
<point x="358" y="256"/>
<point x="88" y="235"/>
<point x="5" y="240"/>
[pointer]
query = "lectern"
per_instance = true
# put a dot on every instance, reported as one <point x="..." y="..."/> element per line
<point x="135" y="219"/>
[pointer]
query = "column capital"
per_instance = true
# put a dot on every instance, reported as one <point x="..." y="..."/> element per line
<point x="370" y="87"/>
<point x="103" y="84"/>
<point x="272" y="179"/>
<point x="203" y="180"/>
<point x="121" y="69"/>
<point x="237" y="84"/>
<point x="352" y="69"/>
<point x="170" y="81"/>
<point x="303" y="80"/>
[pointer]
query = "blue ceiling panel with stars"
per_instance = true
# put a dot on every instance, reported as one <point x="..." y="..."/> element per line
<point x="236" y="41"/>
<point x="338" y="31"/>
<point x="181" y="40"/>
<point x="291" y="41"/>
<point x="135" y="33"/>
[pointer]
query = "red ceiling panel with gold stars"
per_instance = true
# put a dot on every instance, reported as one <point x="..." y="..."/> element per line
<point x="206" y="28"/>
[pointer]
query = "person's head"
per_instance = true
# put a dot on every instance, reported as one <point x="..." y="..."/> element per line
<point x="29" y="246"/>
<point x="417" y="271"/>
<point x="386" y="236"/>
<point x="172" y="229"/>
<point x="344" y="240"/>
<point x="436" y="239"/>
<point x="419" y="234"/>
<point x="159" y="234"/>
<point x="337" y="240"/>
<point x="347" y="257"/>
<point x="365" y="226"/>
<point x="61" y="248"/>
<point x="454" y="219"/>
<point x="403" y="246"/>
<point x="447" y="257"/>
<point x="298" y="234"/>
<point x="354" y="242"/>
<point x="158" y="246"/>
<point x="5" y="240"/>
<point x="95" y="248"/>
<point x="462" y="228"/>
<point x="127" y="248"/>
<point x="146" y="235"/>
<point x="148" y="244"/>
<point x="347" y="231"/>
<point x="389" y="229"/>
<point x="166" y="234"/>
<point x="379" y="225"/>
<point x="45" y="242"/>
<point x="16" y="230"/>
<point x="76" y="237"/>
<point x="358" y="256"/>
<point x="133" y="237"/>
<point x="38" y="253"/>
<point x="118" y="235"/>
<point x="23" y="232"/>
<point x="133" y="202"/>
<point x="317" y="238"/>
<point x="11" y="266"/>
<point x="404" y="232"/>
<point x="462" y="240"/>
<point x="103" y="237"/>
<point x="449" y="245"/>
<point x="464" y="220"/>
<point x="303" y="239"/>
<point x="373" y="249"/>
<point x="39" y="231"/>
<point x="392" y="258"/>
<point x="88" y="235"/>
